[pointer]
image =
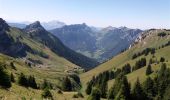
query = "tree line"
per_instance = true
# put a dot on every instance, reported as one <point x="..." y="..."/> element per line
<point x="153" y="88"/>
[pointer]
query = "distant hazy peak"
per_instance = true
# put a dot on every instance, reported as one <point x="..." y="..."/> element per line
<point x="36" y="26"/>
<point x="52" y="24"/>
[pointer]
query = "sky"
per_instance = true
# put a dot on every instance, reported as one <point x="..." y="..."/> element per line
<point x="142" y="14"/>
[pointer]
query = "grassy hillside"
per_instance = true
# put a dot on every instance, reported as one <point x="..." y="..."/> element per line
<point x="52" y="74"/>
<point x="150" y="39"/>
<point x="55" y="67"/>
<point x="39" y="52"/>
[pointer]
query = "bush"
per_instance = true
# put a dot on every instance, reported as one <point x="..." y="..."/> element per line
<point x="162" y="34"/>
<point x="79" y="94"/>
<point x="5" y="80"/>
<point x="46" y="84"/>
<point x="66" y="85"/>
<point x="162" y="59"/>
<point x="22" y="80"/>
<point x="59" y="92"/>
<point x="75" y="96"/>
<point x="47" y="94"/>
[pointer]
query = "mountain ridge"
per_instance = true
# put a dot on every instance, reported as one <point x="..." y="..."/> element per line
<point x="98" y="44"/>
<point x="17" y="41"/>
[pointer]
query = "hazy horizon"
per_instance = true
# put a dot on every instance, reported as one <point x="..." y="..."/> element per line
<point x="143" y="14"/>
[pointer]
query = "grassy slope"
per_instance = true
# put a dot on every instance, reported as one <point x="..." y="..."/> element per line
<point x="152" y="40"/>
<point x="17" y="92"/>
<point x="53" y="68"/>
<point x="54" y="61"/>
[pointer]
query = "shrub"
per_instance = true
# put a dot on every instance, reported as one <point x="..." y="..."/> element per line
<point x="162" y="59"/>
<point x="59" y="92"/>
<point x="66" y="85"/>
<point x="47" y="94"/>
<point x="5" y="80"/>
<point x="162" y="34"/>
<point x="22" y="80"/>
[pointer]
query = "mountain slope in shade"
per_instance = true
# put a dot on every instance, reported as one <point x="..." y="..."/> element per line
<point x="77" y="37"/>
<point x="38" y="33"/>
<point x="116" y="40"/>
<point x="18" y="43"/>
<point x="100" y="44"/>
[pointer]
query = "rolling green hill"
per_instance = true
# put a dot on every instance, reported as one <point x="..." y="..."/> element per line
<point x="149" y="39"/>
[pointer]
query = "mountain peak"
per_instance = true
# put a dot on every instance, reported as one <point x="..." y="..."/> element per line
<point x="3" y="24"/>
<point x="36" y="26"/>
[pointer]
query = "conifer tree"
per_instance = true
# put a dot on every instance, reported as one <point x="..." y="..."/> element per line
<point x="125" y="88"/>
<point x="95" y="94"/>
<point x="103" y="89"/>
<point x="12" y="78"/>
<point x="137" y="92"/>
<point x="149" y="87"/>
<point x="66" y="85"/>
<point x="148" y="70"/>
<point x="5" y="80"/>
<point x="89" y="88"/>
<point x="32" y="82"/>
<point x="126" y="69"/>
<point x="22" y="80"/>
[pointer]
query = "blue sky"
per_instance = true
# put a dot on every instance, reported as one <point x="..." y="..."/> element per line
<point x="101" y="13"/>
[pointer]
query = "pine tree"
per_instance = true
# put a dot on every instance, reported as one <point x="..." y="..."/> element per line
<point x="103" y="89"/>
<point x="126" y="88"/>
<point x="32" y="82"/>
<point x="66" y="85"/>
<point x="5" y="80"/>
<point x="89" y="88"/>
<point x="120" y="89"/>
<point x="148" y="70"/>
<point x="12" y="78"/>
<point x="137" y="92"/>
<point x="150" y="61"/>
<point x="166" y="95"/>
<point x="126" y="69"/>
<point x="22" y="80"/>
<point x="95" y="94"/>
<point x="111" y="95"/>
<point x="121" y="94"/>
<point x="115" y="88"/>
<point x="149" y="87"/>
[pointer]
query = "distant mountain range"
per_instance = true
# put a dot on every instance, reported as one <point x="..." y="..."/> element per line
<point x="47" y="25"/>
<point x="100" y="44"/>
<point x="35" y="40"/>
<point x="97" y="43"/>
